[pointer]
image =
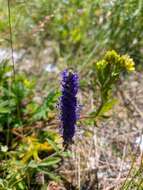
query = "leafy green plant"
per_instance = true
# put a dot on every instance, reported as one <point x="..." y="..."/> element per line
<point x="17" y="104"/>
<point x="106" y="74"/>
<point x="23" y="155"/>
<point x="44" y="111"/>
<point x="19" y="175"/>
<point x="14" y="90"/>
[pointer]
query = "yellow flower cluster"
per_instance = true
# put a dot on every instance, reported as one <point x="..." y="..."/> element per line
<point x="112" y="57"/>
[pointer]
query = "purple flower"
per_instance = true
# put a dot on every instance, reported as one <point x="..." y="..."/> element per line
<point x="68" y="105"/>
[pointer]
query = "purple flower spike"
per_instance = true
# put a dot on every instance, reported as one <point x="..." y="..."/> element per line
<point x="68" y="105"/>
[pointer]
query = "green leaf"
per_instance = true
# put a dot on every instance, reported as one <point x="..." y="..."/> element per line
<point x="50" y="175"/>
<point x="51" y="161"/>
<point x="107" y="106"/>
<point x="67" y="154"/>
<point x="4" y="110"/>
<point x="48" y="105"/>
<point x="32" y="164"/>
<point x="1" y="183"/>
<point x="53" y="144"/>
<point x="21" y="186"/>
<point x="4" y="107"/>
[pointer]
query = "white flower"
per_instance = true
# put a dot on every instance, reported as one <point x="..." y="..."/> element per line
<point x="91" y="163"/>
<point x="4" y="148"/>
<point x="139" y="142"/>
<point x="51" y="68"/>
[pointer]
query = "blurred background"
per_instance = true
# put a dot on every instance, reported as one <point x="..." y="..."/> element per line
<point x="53" y="33"/>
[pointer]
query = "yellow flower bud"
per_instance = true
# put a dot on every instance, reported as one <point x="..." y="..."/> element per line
<point x="127" y="63"/>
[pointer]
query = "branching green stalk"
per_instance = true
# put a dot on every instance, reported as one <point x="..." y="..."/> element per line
<point x="12" y="55"/>
<point x="99" y="109"/>
<point x="11" y="39"/>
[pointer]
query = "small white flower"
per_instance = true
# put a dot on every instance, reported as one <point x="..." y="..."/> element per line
<point x="4" y="148"/>
<point x="51" y="68"/>
<point x="139" y="142"/>
<point x="91" y="163"/>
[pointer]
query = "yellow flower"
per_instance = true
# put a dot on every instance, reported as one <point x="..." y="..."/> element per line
<point x="27" y="83"/>
<point x="112" y="57"/>
<point x="127" y="63"/>
<point x="33" y="147"/>
<point x="101" y="64"/>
